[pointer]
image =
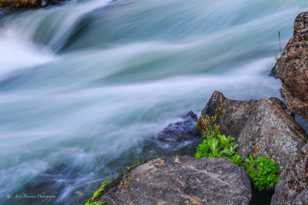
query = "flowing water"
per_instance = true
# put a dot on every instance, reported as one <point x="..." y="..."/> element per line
<point x="82" y="83"/>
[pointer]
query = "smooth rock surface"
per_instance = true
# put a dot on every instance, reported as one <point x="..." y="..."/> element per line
<point x="182" y="181"/>
<point x="292" y="68"/>
<point x="263" y="127"/>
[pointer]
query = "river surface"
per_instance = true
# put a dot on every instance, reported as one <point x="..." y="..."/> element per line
<point x="83" y="83"/>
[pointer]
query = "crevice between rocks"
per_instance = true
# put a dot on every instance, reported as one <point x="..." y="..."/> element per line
<point x="261" y="197"/>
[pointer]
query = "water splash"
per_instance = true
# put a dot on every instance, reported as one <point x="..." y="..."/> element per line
<point x="17" y="53"/>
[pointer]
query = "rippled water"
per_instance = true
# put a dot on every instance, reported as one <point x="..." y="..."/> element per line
<point x="82" y="83"/>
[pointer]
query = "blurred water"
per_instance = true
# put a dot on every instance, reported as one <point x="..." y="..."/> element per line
<point x="82" y="83"/>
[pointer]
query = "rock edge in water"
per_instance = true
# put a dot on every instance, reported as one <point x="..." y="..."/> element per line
<point x="181" y="135"/>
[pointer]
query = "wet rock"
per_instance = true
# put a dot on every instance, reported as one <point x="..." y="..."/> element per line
<point x="181" y="134"/>
<point x="292" y="68"/>
<point x="18" y="4"/>
<point x="302" y="122"/>
<point x="263" y="127"/>
<point x="182" y="180"/>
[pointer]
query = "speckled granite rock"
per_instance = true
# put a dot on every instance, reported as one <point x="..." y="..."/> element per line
<point x="182" y="181"/>
<point x="264" y="127"/>
<point x="302" y="198"/>
<point x="292" y="68"/>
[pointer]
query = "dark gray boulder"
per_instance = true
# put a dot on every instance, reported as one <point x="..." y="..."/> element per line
<point x="182" y="181"/>
<point x="180" y="135"/>
<point x="263" y="127"/>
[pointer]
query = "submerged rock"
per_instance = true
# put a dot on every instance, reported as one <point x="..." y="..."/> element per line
<point x="182" y="180"/>
<point x="292" y="68"/>
<point x="181" y="134"/>
<point x="263" y="127"/>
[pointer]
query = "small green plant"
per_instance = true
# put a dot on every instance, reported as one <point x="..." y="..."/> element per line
<point x="216" y="144"/>
<point x="263" y="172"/>
<point x="98" y="193"/>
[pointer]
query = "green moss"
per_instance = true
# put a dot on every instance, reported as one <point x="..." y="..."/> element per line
<point x="206" y="124"/>
<point x="98" y="193"/>
<point x="263" y="172"/>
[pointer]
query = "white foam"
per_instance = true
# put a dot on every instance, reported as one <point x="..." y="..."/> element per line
<point x="17" y="53"/>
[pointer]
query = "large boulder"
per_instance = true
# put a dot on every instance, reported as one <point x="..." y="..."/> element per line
<point x="182" y="181"/>
<point x="292" y="68"/>
<point x="263" y="127"/>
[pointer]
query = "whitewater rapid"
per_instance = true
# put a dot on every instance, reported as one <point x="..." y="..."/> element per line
<point x="84" y="82"/>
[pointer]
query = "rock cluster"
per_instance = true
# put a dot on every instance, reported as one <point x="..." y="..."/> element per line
<point x="263" y="127"/>
<point x="292" y="68"/>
